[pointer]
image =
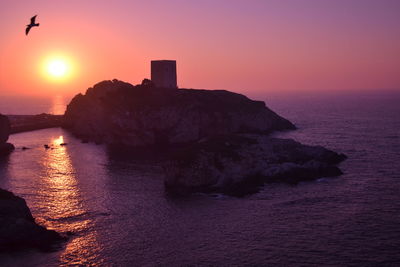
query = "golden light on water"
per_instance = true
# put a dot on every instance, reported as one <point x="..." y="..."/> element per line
<point x="58" y="105"/>
<point x="58" y="141"/>
<point x="59" y="183"/>
<point x="65" y="203"/>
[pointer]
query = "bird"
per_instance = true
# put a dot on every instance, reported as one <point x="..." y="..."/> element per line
<point x="32" y="24"/>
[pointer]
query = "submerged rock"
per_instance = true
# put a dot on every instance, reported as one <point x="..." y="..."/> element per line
<point x="5" y="129"/>
<point x="115" y="112"/>
<point x="18" y="228"/>
<point x="240" y="164"/>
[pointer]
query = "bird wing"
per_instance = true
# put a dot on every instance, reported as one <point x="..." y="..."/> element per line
<point x="33" y="19"/>
<point x="28" y="28"/>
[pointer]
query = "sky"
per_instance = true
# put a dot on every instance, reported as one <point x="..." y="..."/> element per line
<point x="247" y="46"/>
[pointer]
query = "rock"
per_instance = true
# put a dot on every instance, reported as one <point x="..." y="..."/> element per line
<point x="218" y="138"/>
<point x="18" y="229"/>
<point x="5" y="128"/>
<point x="114" y="112"/>
<point x="6" y="149"/>
<point x="240" y="164"/>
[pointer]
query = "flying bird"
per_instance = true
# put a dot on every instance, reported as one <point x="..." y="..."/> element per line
<point x="32" y="24"/>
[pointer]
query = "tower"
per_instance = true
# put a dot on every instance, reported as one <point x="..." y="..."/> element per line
<point x="163" y="73"/>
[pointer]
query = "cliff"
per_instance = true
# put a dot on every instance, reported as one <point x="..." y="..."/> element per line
<point x="118" y="112"/>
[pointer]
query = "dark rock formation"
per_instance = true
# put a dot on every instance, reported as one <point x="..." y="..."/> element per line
<point x="4" y="129"/>
<point x="5" y="148"/>
<point x="239" y="164"/>
<point x="18" y="228"/>
<point x="218" y="138"/>
<point x="142" y="115"/>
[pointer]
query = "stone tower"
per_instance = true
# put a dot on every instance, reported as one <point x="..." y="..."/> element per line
<point x="163" y="73"/>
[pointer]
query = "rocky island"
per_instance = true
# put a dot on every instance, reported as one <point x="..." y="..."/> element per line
<point x="217" y="141"/>
<point x="115" y="112"/>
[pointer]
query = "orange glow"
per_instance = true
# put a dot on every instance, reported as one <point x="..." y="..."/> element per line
<point x="260" y="47"/>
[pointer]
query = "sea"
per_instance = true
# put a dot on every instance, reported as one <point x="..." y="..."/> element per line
<point x="120" y="215"/>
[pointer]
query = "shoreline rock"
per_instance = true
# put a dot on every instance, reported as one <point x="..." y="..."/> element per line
<point x="18" y="229"/>
<point x="5" y="129"/>
<point x="239" y="165"/>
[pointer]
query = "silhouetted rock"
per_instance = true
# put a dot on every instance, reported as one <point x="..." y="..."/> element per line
<point x="148" y="83"/>
<point x="218" y="138"/>
<point x="5" y="128"/>
<point x="115" y="112"/>
<point x="18" y="228"/>
<point x="6" y="149"/>
<point x="239" y="164"/>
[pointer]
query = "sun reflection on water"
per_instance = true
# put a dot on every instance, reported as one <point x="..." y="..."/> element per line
<point x="59" y="140"/>
<point x="64" y="207"/>
<point x="58" y="105"/>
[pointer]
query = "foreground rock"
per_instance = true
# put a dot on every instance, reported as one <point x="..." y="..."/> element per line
<point x="18" y="228"/>
<point x="115" y="112"/>
<point x="239" y="165"/>
<point x="5" y="128"/>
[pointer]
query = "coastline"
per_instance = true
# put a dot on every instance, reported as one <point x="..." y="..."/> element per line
<point x="26" y="123"/>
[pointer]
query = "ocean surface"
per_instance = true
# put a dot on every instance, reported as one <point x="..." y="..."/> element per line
<point x="119" y="213"/>
<point x="25" y="105"/>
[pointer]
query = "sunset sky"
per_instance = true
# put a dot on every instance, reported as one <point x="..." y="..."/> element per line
<point x="248" y="46"/>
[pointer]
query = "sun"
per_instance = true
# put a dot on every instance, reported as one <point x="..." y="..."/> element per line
<point x="57" y="68"/>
